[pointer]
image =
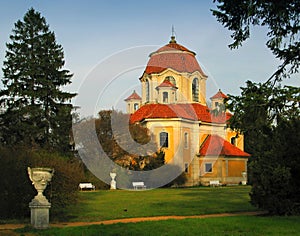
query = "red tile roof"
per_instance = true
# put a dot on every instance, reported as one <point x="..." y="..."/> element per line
<point x="174" y="47"/>
<point x="194" y="111"/>
<point x="219" y="94"/>
<point x="166" y="83"/>
<point x="134" y="95"/>
<point x="173" y="56"/>
<point x="214" y="145"/>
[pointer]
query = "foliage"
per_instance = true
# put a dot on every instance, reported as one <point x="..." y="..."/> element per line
<point x="117" y="138"/>
<point x="276" y="172"/>
<point x="18" y="190"/>
<point x="36" y="111"/>
<point x="266" y="113"/>
<point x="131" y="145"/>
<point x="180" y="180"/>
<point x="259" y="109"/>
<point x="269" y="119"/>
<point x="281" y="17"/>
<point x="89" y="177"/>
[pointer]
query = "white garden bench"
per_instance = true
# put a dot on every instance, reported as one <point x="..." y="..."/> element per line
<point x="85" y="186"/>
<point x="137" y="185"/>
<point x="214" y="183"/>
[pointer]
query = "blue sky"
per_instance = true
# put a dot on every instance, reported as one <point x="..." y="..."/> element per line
<point x="107" y="44"/>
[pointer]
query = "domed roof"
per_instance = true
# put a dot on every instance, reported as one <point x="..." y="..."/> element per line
<point x="133" y="96"/>
<point x="173" y="56"/>
<point x="218" y="95"/>
<point x="193" y="111"/>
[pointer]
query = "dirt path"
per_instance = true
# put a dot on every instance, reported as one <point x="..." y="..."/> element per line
<point x="8" y="227"/>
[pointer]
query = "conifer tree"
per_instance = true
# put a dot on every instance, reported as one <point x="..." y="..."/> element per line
<point x="36" y="112"/>
<point x="267" y="113"/>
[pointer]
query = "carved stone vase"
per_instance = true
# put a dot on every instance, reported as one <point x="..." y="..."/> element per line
<point x="39" y="206"/>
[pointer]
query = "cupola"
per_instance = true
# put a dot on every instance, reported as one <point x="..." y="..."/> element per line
<point x="133" y="102"/>
<point x="218" y="100"/>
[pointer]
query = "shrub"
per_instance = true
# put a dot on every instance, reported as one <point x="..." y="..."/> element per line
<point x="276" y="173"/>
<point x="18" y="190"/>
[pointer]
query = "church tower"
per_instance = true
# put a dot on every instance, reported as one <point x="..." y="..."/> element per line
<point x="173" y="67"/>
<point x="173" y="108"/>
<point x="217" y="100"/>
<point x="133" y="102"/>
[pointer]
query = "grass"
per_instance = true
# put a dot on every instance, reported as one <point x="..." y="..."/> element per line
<point x="237" y="225"/>
<point x="104" y="205"/>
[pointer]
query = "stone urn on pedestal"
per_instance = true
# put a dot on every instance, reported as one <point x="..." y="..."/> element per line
<point x="113" y="183"/>
<point x="39" y="206"/>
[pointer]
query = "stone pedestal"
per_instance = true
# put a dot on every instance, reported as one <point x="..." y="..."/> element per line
<point x="39" y="206"/>
<point x="39" y="214"/>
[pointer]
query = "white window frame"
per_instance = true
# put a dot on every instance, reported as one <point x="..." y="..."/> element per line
<point x="166" y="140"/>
<point x="206" y="167"/>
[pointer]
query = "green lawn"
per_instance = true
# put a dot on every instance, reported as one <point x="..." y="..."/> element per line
<point x="104" y="205"/>
<point x="237" y="225"/>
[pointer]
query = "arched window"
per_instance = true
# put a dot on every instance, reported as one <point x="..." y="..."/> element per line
<point x="171" y="79"/>
<point x="164" y="139"/>
<point x="147" y="91"/>
<point x="233" y="141"/>
<point x="186" y="140"/>
<point x="186" y="167"/>
<point x="195" y="90"/>
<point x="165" y="97"/>
<point x="136" y="106"/>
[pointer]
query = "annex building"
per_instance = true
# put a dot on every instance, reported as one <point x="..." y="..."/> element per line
<point x="173" y="107"/>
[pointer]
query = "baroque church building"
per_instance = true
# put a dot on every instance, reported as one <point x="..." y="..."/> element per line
<point x="193" y="136"/>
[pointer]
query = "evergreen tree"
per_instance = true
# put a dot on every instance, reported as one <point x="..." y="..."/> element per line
<point x="269" y="119"/>
<point x="268" y="114"/>
<point x="36" y="112"/>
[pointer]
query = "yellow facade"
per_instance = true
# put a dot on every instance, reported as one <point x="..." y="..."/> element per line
<point x="185" y="136"/>
<point x="183" y="83"/>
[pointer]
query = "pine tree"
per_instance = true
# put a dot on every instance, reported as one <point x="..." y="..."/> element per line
<point x="36" y="112"/>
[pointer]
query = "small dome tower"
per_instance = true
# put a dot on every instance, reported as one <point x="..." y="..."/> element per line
<point x="218" y="100"/>
<point x="133" y="102"/>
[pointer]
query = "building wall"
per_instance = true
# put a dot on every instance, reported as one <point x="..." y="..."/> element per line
<point x="183" y="82"/>
<point x="236" y="167"/>
<point x="131" y="105"/>
<point x="225" y="169"/>
<point x="176" y="152"/>
<point x="239" y="140"/>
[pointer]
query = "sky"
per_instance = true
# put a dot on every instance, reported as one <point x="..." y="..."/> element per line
<point x="107" y="45"/>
